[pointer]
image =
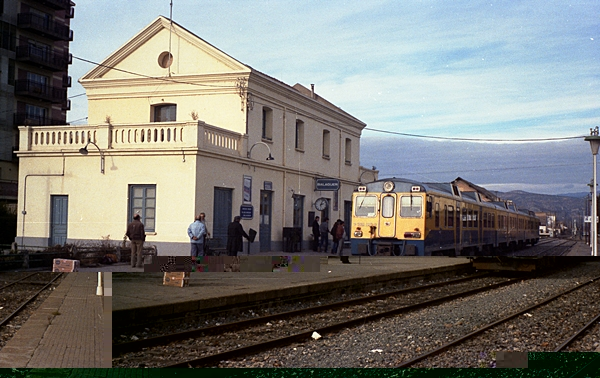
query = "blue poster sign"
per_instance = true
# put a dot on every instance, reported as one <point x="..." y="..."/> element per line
<point x="246" y="211"/>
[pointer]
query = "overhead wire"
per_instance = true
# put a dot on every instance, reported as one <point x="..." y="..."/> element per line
<point x="170" y="79"/>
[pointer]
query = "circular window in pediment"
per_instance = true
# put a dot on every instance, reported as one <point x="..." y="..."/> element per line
<point x="165" y="59"/>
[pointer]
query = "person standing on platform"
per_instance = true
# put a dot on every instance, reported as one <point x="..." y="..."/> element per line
<point x="206" y="236"/>
<point x="333" y="232"/>
<point x="340" y="235"/>
<point x="235" y="231"/>
<point x="324" y="230"/>
<point x="197" y="231"/>
<point x="316" y="233"/>
<point x="137" y="236"/>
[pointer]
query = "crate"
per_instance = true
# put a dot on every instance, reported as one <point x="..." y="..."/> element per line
<point x="179" y="279"/>
<point x="65" y="265"/>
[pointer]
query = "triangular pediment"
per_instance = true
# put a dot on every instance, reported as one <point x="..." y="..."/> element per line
<point x="140" y="56"/>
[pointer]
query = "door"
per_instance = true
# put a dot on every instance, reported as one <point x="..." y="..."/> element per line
<point x="264" y="229"/>
<point x="58" y="220"/>
<point x="387" y="221"/>
<point x="221" y="217"/>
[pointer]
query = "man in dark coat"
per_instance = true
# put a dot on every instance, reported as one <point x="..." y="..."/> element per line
<point x="316" y="233"/>
<point x="235" y="231"/>
<point x="137" y="235"/>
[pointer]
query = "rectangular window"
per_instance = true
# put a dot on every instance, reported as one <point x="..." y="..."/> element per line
<point x="437" y="215"/>
<point x="326" y="136"/>
<point x="35" y="114"/>
<point x="299" y="135"/>
<point x="142" y="200"/>
<point x="450" y="216"/>
<point x="348" y="151"/>
<point x="365" y="206"/>
<point x="411" y="206"/>
<point x="388" y="204"/>
<point x="165" y="113"/>
<point x="37" y="83"/>
<point x="267" y="123"/>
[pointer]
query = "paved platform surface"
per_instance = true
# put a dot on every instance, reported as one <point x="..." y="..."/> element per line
<point x="137" y="296"/>
<point x="580" y="249"/>
<point x="65" y="331"/>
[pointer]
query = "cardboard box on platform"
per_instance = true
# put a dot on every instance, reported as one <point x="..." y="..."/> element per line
<point x="179" y="279"/>
<point x="65" y="265"/>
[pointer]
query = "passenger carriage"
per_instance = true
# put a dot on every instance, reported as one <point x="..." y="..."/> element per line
<point x="405" y="217"/>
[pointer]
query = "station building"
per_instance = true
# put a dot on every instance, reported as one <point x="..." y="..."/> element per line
<point x="177" y="127"/>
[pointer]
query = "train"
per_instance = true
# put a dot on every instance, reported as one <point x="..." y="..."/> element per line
<point x="398" y="216"/>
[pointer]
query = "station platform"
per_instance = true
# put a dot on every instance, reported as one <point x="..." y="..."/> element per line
<point x="66" y="331"/>
<point x="580" y="249"/>
<point x="143" y="296"/>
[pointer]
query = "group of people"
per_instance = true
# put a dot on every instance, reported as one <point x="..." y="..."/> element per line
<point x="197" y="233"/>
<point x="321" y="237"/>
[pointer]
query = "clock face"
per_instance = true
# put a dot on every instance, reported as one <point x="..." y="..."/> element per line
<point x="321" y="204"/>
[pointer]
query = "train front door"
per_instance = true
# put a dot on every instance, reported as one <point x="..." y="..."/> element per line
<point x="387" y="221"/>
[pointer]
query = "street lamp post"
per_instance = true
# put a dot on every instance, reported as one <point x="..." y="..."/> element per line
<point x="84" y="151"/>
<point x="594" y="140"/>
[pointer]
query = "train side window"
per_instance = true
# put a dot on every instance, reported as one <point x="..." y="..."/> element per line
<point x="410" y="206"/>
<point x="388" y="204"/>
<point x="445" y="215"/>
<point x="476" y="219"/>
<point x="437" y="215"/>
<point x="450" y="216"/>
<point x="365" y="206"/>
<point x="485" y="220"/>
<point x="493" y="221"/>
<point x="464" y="217"/>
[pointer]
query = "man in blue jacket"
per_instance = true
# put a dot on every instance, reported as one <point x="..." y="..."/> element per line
<point x="196" y="232"/>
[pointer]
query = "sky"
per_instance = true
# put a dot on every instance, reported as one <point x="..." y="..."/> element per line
<point x="414" y="71"/>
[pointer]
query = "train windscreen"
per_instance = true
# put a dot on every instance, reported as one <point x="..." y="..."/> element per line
<point x="365" y="206"/>
<point x="411" y="206"/>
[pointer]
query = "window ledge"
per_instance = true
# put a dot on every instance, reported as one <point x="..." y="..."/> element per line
<point x="326" y="157"/>
<point x="270" y="141"/>
<point x="151" y="233"/>
<point x="300" y="150"/>
<point x="348" y="163"/>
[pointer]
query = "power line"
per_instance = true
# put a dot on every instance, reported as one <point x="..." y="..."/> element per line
<point x="472" y="139"/>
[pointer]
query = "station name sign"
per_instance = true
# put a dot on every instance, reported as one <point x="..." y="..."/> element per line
<point x="327" y="184"/>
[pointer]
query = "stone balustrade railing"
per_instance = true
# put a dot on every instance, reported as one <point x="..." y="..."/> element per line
<point x="147" y="136"/>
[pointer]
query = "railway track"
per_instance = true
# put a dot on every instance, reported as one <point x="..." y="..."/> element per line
<point x="557" y="247"/>
<point x="20" y="293"/>
<point x="223" y="342"/>
<point x="396" y="340"/>
<point x="528" y="312"/>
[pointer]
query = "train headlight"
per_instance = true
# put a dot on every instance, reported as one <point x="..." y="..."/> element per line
<point x="358" y="233"/>
<point x="388" y="186"/>
<point x="416" y="234"/>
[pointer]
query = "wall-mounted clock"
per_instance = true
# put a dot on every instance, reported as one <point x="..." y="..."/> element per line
<point x="321" y="204"/>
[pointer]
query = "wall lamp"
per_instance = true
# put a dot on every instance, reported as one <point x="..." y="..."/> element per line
<point x="266" y="145"/>
<point x="84" y="151"/>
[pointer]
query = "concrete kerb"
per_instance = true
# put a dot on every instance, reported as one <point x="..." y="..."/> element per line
<point x="174" y="309"/>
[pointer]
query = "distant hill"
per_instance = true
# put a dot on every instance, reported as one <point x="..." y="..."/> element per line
<point x="566" y="207"/>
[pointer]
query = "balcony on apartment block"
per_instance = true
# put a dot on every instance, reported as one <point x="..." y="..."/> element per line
<point x="48" y="59"/>
<point x="57" y="31"/>
<point x="40" y="91"/>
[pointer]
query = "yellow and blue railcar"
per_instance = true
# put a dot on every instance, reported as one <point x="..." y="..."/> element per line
<point x="405" y="217"/>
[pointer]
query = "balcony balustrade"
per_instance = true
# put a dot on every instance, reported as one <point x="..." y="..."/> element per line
<point x="45" y="58"/>
<point x="39" y="91"/>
